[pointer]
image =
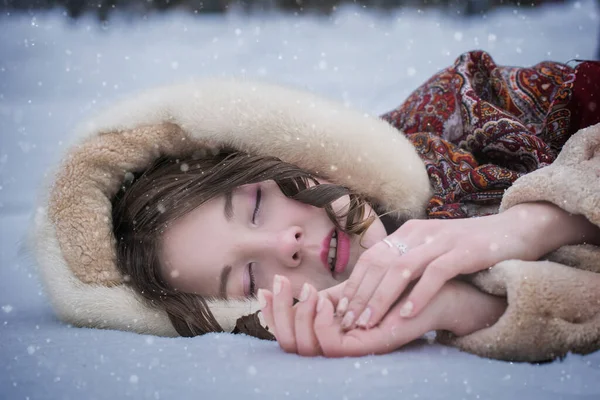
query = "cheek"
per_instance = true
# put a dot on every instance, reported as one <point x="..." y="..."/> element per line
<point x="360" y="244"/>
<point x="374" y="234"/>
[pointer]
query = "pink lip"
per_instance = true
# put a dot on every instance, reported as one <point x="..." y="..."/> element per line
<point x="325" y="249"/>
<point x="343" y="252"/>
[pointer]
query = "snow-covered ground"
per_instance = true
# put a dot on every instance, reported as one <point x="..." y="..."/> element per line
<point x="53" y="73"/>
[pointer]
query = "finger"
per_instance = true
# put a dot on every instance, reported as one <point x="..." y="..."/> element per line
<point x="407" y="268"/>
<point x="328" y="331"/>
<point x="334" y="293"/>
<point x="306" y="340"/>
<point x="335" y="342"/>
<point x="351" y="285"/>
<point x="265" y="298"/>
<point x="283" y="313"/>
<point x="377" y="259"/>
<point x="435" y="275"/>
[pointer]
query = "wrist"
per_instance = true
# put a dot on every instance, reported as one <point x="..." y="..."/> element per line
<point x="451" y="301"/>
<point x="547" y="227"/>
<point x="469" y="309"/>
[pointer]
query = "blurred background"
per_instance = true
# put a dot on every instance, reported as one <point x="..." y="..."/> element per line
<point x="103" y="8"/>
<point x="61" y="60"/>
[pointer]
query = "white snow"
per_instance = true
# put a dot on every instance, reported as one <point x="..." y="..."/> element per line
<point x="53" y="73"/>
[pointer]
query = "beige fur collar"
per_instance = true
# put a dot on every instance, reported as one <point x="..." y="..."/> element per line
<point x="72" y="233"/>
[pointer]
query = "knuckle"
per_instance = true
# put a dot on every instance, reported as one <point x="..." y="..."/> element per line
<point x="411" y="224"/>
<point x="377" y="262"/>
<point x="369" y="255"/>
<point x="319" y="326"/>
<point x="308" y="350"/>
<point x="438" y="272"/>
<point x="351" y="287"/>
<point x="303" y="315"/>
<point x="418" y="226"/>
<point x="378" y="301"/>
<point x="303" y="350"/>
<point x="400" y="265"/>
<point x="437" y="268"/>
<point x="288" y="346"/>
<point x="331" y="351"/>
<point x="358" y="302"/>
<point x="379" y="266"/>
<point x="451" y="238"/>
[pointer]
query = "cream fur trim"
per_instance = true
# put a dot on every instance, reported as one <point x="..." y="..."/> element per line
<point x="108" y="307"/>
<point x="351" y="148"/>
<point x="90" y="305"/>
<point x="73" y="239"/>
<point x="552" y="309"/>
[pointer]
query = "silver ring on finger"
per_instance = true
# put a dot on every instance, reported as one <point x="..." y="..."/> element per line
<point x="401" y="247"/>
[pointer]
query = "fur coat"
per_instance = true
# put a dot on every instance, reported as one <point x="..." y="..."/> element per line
<point x="553" y="306"/>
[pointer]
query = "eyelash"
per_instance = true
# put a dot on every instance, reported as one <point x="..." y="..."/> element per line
<point x="257" y="207"/>
<point x="252" y="282"/>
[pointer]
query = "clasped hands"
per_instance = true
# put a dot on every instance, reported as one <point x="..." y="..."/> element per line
<point x="374" y="312"/>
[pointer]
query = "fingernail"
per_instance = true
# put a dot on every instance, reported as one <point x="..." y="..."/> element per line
<point x="262" y="302"/>
<point x="277" y="284"/>
<point x="363" y="320"/>
<point x="320" y="303"/>
<point x="348" y="320"/>
<point x="342" y="306"/>
<point x="406" y="309"/>
<point x="305" y="292"/>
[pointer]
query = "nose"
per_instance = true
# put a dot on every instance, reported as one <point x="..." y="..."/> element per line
<point x="286" y="246"/>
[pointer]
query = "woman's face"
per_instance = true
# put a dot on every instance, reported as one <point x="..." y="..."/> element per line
<point x="232" y="247"/>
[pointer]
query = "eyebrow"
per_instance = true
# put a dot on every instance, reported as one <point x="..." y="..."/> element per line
<point x="223" y="279"/>
<point x="226" y="271"/>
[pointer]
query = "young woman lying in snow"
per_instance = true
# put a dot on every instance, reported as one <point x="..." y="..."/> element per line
<point x="180" y="209"/>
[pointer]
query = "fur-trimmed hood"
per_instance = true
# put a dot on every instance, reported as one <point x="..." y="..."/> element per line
<point x="72" y="231"/>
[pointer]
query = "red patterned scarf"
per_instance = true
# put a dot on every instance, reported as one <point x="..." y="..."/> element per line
<point x="479" y="126"/>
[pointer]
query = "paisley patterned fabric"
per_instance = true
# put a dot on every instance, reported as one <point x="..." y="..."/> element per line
<point x="479" y="126"/>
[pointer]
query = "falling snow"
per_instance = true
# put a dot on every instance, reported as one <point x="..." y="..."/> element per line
<point x="54" y="74"/>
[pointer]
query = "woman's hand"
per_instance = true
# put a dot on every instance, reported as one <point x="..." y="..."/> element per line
<point x="438" y="250"/>
<point x="310" y="328"/>
<point x="292" y="325"/>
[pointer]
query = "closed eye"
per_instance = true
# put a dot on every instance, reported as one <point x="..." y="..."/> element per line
<point x="252" y="280"/>
<point x="249" y="288"/>
<point x="257" y="206"/>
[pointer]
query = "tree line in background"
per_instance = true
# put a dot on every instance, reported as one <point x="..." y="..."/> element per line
<point x="103" y="8"/>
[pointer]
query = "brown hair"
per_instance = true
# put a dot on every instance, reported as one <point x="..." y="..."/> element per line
<point x="170" y="189"/>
